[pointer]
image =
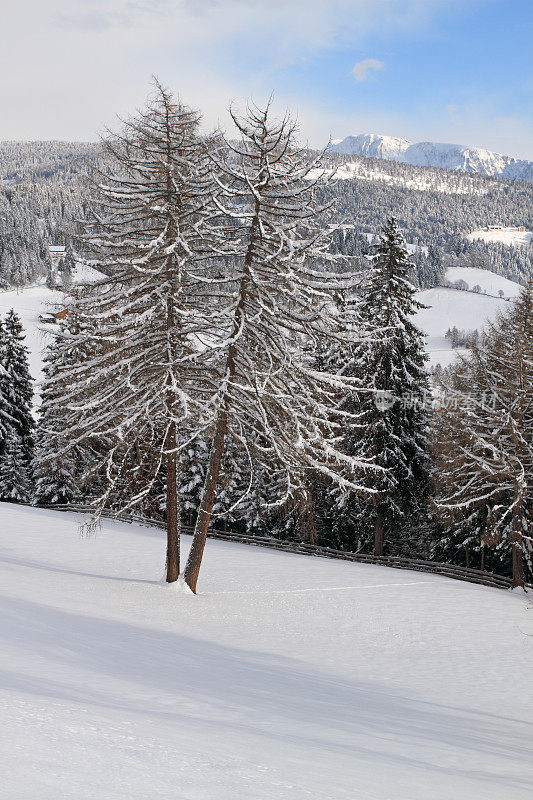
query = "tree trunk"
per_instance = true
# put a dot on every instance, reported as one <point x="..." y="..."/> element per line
<point x="518" y="565"/>
<point x="378" y="535"/>
<point x="194" y="561"/>
<point x="192" y="568"/>
<point x="172" y="457"/>
<point x="173" y="515"/>
<point x="307" y="516"/>
<point x="516" y="538"/>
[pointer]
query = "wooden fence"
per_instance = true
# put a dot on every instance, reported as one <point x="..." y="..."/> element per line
<point x="303" y="548"/>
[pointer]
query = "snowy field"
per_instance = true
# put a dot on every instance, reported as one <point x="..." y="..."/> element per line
<point x="422" y="181"/>
<point x="448" y="307"/>
<point x="465" y="310"/>
<point x="510" y="236"/>
<point x="29" y="303"/>
<point x="286" y="678"/>
<point x="490" y="282"/>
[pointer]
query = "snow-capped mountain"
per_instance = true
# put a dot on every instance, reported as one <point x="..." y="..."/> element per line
<point x="434" y="154"/>
<point x="372" y="146"/>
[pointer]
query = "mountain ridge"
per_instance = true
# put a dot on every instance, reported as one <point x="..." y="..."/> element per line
<point x="460" y="158"/>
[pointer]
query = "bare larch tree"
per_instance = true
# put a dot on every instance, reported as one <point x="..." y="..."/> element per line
<point x="484" y="439"/>
<point x="147" y="232"/>
<point x="274" y="303"/>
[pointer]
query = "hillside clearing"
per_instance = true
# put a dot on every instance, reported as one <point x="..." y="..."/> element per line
<point x="510" y="236"/>
<point x="447" y="308"/>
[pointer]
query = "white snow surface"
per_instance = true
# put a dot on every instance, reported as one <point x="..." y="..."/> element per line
<point x="372" y="145"/>
<point x="286" y="678"/>
<point x="451" y="307"/>
<point x="490" y="282"/>
<point x="510" y="236"/>
<point x="433" y="181"/>
<point x="84" y="273"/>
<point x="31" y="301"/>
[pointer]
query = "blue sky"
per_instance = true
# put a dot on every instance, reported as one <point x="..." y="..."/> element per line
<point x="448" y="70"/>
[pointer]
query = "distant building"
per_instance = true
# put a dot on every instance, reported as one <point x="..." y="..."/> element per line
<point x="503" y="228"/>
<point x="52" y="317"/>
<point x="57" y="252"/>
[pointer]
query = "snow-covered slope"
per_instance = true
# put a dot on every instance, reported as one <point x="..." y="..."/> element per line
<point x="465" y="310"/>
<point x="32" y="301"/>
<point x="29" y="303"/>
<point x="510" y="236"/>
<point x="421" y="180"/>
<point x="448" y="307"/>
<point x="488" y="281"/>
<point x="435" y="154"/>
<point x="286" y="678"/>
<point x="371" y="145"/>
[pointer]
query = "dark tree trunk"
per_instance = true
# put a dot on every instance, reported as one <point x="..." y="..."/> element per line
<point x="307" y="514"/>
<point x="378" y="535"/>
<point x="173" y="516"/>
<point x="516" y="537"/>
<point x="518" y="565"/>
<point x="194" y="561"/>
<point x="172" y="457"/>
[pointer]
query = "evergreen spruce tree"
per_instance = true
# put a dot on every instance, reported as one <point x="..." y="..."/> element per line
<point x="15" y="363"/>
<point x="16" y="420"/>
<point x="193" y="468"/>
<point x="392" y="423"/>
<point x="66" y="267"/>
<point x="255" y="510"/>
<point x="337" y="513"/>
<point x="56" y="467"/>
<point x="15" y="478"/>
<point x="6" y="417"/>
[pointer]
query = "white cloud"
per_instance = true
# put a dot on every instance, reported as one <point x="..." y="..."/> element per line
<point x="362" y="68"/>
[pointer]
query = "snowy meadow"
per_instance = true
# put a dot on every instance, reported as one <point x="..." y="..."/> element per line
<point x="286" y="678"/>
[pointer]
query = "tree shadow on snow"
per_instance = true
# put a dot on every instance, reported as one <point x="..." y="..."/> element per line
<point x="187" y="681"/>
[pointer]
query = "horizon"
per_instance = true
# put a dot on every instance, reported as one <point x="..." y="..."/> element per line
<point x="332" y="141"/>
<point x="439" y="71"/>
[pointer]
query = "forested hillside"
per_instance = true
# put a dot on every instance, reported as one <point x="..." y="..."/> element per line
<point x="434" y="208"/>
<point x="43" y="190"/>
<point x="42" y="193"/>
